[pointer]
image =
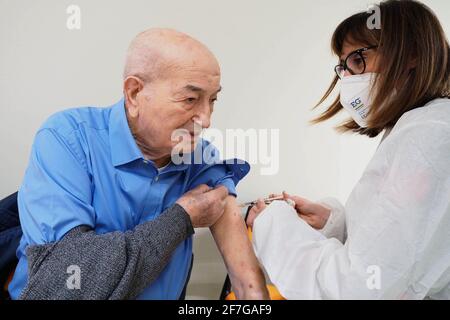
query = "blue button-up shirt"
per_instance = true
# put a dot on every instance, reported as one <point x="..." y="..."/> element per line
<point x="86" y="169"/>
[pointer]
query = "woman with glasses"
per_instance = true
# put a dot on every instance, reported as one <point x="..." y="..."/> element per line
<point x="392" y="238"/>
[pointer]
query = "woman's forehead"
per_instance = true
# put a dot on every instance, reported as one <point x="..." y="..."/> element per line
<point x="348" y="46"/>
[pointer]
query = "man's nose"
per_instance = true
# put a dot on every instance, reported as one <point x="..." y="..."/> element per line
<point x="203" y="116"/>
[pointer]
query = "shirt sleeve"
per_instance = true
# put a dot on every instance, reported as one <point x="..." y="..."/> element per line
<point x="214" y="172"/>
<point x="398" y="245"/>
<point x="226" y="173"/>
<point x="56" y="193"/>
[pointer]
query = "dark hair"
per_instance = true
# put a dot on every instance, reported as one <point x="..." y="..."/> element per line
<point x="413" y="58"/>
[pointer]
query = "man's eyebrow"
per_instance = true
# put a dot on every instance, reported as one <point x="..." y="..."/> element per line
<point x="193" y="88"/>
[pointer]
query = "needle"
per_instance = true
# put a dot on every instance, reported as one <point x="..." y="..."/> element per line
<point x="266" y="201"/>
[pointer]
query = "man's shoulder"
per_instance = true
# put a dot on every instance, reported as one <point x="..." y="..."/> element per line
<point x="66" y="121"/>
<point x="204" y="154"/>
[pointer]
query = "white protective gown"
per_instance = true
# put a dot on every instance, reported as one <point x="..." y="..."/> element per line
<point x="392" y="239"/>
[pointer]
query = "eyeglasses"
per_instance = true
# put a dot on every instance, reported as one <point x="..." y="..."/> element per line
<point x="355" y="63"/>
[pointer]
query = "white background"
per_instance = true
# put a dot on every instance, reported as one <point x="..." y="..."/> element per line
<point x="276" y="63"/>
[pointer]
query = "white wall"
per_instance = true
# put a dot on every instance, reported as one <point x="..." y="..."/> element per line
<point x="276" y="63"/>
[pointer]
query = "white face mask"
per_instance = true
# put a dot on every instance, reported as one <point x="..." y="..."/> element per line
<point x="356" y="98"/>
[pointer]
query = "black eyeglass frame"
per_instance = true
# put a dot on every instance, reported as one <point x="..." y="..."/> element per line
<point x="345" y="66"/>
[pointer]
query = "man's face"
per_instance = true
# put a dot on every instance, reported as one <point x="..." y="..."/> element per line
<point x="176" y="107"/>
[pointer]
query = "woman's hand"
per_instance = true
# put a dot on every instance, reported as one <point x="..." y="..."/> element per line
<point x="314" y="214"/>
<point x="255" y="211"/>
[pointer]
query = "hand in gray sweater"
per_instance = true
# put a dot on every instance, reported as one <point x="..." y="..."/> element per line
<point x="116" y="265"/>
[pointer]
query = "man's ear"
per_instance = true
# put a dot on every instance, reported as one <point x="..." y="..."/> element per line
<point x="132" y="86"/>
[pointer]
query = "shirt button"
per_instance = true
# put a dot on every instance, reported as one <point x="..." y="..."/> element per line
<point x="156" y="178"/>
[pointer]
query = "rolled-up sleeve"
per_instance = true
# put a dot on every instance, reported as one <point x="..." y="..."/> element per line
<point x="227" y="173"/>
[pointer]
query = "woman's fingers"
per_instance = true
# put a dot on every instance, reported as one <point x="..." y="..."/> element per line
<point x="299" y="201"/>
<point x="255" y="211"/>
<point x="288" y="196"/>
<point x="260" y="205"/>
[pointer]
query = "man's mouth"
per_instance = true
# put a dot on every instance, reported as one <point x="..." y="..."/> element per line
<point x="188" y="135"/>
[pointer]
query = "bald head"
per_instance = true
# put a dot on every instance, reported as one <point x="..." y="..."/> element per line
<point x="171" y="82"/>
<point x="155" y="53"/>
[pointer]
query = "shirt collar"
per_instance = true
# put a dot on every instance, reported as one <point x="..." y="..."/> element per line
<point x="171" y="167"/>
<point x="123" y="147"/>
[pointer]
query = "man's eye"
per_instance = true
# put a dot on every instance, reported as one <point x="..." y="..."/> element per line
<point x="191" y="100"/>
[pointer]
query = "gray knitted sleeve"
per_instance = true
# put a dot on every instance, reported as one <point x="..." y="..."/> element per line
<point x="116" y="265"/>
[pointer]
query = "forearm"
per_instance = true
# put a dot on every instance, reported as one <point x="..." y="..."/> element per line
<point x="115" y="265"/>
<point x="243" y="267"/>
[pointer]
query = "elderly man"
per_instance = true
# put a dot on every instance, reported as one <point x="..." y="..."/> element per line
<point x="105" y="211"/>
